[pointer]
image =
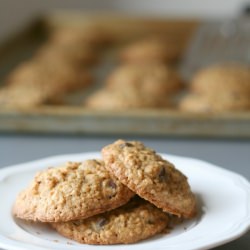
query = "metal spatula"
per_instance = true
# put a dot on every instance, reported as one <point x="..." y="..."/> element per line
<point x="215" y="42"/>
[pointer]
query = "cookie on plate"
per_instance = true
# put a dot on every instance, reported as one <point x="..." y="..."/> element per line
<point x="74" y="191"/>
<point x="135" y="221"/>
<point x="151" y="177"/>
<point x="152" y="49"/>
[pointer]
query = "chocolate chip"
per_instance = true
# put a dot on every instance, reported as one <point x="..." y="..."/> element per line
<point x="111" y="184"/>
<point x="77" y="222"/>
<point x="96" y="162"/>
<point x="162" y="175"/>
<point x="109" y="188"/>
<point x="150" y="222"/>
<point x="100" y="223"/>
<point x="126" y="144"/>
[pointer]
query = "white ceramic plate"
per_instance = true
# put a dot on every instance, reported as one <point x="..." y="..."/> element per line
<point x="224" y="199"/>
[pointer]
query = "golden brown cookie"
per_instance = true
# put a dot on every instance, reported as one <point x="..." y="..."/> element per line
<point x="34" y="83"/>
<point x="150" y="80"/>
<point x="109" y="99"/>
<point x="25" y="96"/>
<point x="220" y="87"/>
<point x="135" y="221"/>
<point x="74" y="191"/>
<point x="150" y="50"/>
<point x="228" y="78"/>
<point x="150" y="176"/>
<point x="213" y="103"/>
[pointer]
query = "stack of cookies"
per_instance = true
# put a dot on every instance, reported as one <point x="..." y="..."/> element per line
<point x="129" y="195"/>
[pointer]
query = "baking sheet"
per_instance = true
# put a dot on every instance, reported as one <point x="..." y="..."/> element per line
<point x="75" y="119"/>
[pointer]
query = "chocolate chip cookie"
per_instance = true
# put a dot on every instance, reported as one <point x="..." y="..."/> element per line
<point x="74" y="191"/>
<point x="135" y="221"/>
<point x="150" y="176"/>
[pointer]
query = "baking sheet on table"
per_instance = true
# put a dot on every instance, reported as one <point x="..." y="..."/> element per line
<point x="75" y="119"/>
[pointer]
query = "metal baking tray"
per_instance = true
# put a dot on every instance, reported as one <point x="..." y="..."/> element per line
<point x="75" y="119"/>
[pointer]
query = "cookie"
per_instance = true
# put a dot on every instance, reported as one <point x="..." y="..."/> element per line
<point x="220" y="87"/>
<point x="27" y="96"/>
<point x="229" y="79"/>
<point x="58" y="77"/>
<point x="150" y="176"/>
<point x="153" y="49"/>
<point x="108" y="99"/>
<point x="198" y="103"/>
<point x="135" y="221"/>
<point x="150" y="80"/>
<point x="34" y="83"/>
<point x="74" y="191"/>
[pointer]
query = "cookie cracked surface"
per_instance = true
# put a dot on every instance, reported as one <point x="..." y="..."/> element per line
<point x="150" y="176"/>
<point x="137" y="220"/>
<point x="74" y="191"/>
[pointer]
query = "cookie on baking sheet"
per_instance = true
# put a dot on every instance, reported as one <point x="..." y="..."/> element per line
<point x="56" y="77"/>
<point x="198" y="103"/>
<point x="27" y="96"/>
<point x="150" y="176"/>
<point x="137" y="86"/>
<point x="153" y="80"/>
<point x="232" y="79"/>
<point x="152" y="49"/>
<point x="135" y="221"/>
<point x="74" y="191"/>
<point x="35" y="82"/>
<point x="108" y="99"/>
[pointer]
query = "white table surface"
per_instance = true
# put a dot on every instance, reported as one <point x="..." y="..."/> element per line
<point x="230" y="154"/>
